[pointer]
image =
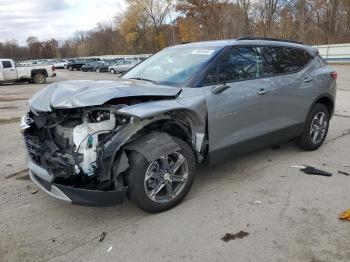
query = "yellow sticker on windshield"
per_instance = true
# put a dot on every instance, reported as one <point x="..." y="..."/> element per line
<point x="202" y="51"/>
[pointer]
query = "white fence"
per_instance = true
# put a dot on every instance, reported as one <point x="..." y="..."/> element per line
<point x="118" y="56"/>
<point x="339" y="53"/>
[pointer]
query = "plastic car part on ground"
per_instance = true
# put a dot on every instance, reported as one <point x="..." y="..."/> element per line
<point x="310" y="170"/>
<point x="343" y="173"/>
<point x="345" y="215"/>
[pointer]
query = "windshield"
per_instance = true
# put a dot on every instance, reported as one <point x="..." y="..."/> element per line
<point x="173" y="66"/>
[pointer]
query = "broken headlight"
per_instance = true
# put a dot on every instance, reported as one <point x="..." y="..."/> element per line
<point x="26" y="120"/>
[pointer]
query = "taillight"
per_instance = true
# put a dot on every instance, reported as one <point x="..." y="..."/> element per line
<point x="53" y="68"/>
<point x="334" y="75"/>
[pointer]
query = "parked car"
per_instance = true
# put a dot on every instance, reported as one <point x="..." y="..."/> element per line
<point x="103" y="66"/>
<point x="90" y="67"/>
<point x="96" y="66"/>
<point x="62" y="63"/>
<point x="122" y="66"/>
<point x="9" y="72"/>
<point x="94" y="142"/>
<point x="78" y="63"/>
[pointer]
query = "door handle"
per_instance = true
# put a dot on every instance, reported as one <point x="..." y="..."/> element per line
<point x="262" y="91"/>
<point x="308" y="79"/>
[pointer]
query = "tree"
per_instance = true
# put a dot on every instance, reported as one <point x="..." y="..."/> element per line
<point x="245" y="6"/>
<point x="153" y="12"/>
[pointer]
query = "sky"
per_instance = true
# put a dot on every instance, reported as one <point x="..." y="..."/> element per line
<point x="57" y="19"/>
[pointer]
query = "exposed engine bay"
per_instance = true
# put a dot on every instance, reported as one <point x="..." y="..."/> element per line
<point x="69" y="143"/>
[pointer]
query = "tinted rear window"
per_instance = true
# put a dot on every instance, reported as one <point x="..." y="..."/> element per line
<point x="280" y="60"/>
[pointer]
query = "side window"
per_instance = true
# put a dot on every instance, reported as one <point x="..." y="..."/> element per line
<point x="305" y="57"/>
<point x="271" y="66"/>
<point x="211" y="77"/>
<point x="6" y="64"/>
<point x="288" y="59"/>
<point x="279" y="60"/>
<point x="239" y="64"/>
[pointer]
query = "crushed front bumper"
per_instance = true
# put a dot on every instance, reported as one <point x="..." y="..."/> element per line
<point x="43" y="179"/>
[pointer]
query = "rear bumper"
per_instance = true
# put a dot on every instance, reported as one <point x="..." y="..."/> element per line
<point x="73" y="195"/>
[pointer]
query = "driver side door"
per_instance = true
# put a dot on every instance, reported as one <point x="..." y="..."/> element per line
<point x="8" y="70"/>
<point x="240" y="115"/>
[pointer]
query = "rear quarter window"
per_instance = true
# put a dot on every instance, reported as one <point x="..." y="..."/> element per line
<point x="281" y="60"/>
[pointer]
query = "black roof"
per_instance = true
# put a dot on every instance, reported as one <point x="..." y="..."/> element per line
<point x="268" y="39"/>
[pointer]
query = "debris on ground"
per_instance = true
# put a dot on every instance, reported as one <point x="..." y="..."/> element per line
<point x="109" y="249"/>
<point x="345" y="215"/>
<point x="24" y="176"/>
<point x="228" y="236"/>
<point x="31" y="189"/>
<point x="102" y="236"/>
<point x="20" y="173"/>
<point x="310" y="170"/>
<point x="343" y="173"/>
<point x="257" y="202"/>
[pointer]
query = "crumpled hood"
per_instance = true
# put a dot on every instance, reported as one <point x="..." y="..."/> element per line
<point x="81" y="93"/>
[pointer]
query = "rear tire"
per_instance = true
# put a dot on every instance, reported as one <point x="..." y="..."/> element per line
<point x="142" y="185"/>
<point x="39" y="79"/>
<point x="70" y="68"/>
<point x="316" y="128"/>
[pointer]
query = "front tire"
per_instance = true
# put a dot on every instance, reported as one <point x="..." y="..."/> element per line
<point x="70" y="68"/>
<point x="316" y="128"/>
<point x="112" y="71"/>
<point x="161" y="184"/>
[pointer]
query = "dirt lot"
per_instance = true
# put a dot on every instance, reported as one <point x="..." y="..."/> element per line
<point x="296" y="220"/>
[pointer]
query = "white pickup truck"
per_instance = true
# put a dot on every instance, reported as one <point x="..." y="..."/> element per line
<point x="9" y="72"/>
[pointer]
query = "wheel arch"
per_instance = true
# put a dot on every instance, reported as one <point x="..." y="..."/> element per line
<point x="39" y="71"/>
<point x="177" y="123"/>
<point x="327" y="100"/>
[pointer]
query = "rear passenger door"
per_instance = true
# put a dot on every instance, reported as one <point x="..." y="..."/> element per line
<point x="294" y="86"/>
<point x="238" y="114"/>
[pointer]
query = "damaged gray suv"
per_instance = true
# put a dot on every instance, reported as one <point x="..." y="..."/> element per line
<point x="142" y="136"/>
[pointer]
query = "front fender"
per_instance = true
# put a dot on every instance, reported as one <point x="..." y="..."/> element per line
<point x="195" y="108"/>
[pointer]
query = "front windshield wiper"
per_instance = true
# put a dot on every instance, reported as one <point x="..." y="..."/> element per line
<point x="144" y="79"/>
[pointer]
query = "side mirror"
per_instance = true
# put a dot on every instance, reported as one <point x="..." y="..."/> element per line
<point x="219" y="88"/>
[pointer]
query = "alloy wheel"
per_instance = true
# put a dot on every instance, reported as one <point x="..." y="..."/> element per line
<point x="166" y="177"/>
<point x="318" y="127"/>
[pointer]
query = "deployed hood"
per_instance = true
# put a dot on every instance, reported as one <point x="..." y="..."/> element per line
<point x="81" y="93"/>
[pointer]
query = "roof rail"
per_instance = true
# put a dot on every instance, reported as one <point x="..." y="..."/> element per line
<point x="267" y="39"/>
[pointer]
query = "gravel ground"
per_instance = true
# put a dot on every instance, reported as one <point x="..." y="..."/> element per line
<point x="289" y="216"/>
